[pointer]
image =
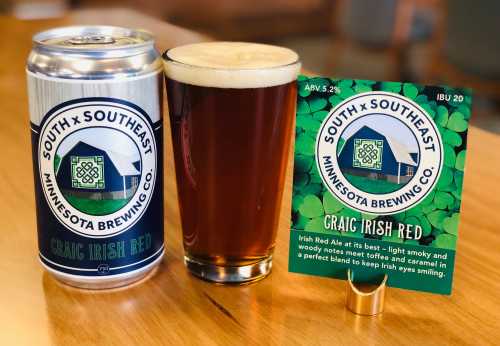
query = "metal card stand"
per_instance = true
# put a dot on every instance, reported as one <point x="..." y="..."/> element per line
<point x="365" y="303"/>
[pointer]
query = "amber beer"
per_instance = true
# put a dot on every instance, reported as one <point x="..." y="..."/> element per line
<point x="231" y="113"/>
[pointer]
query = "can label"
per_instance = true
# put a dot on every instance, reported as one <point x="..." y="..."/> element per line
<point x="98" y="183"/>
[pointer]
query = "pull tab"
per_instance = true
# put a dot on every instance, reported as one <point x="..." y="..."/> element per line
<point x="91" y="39"/>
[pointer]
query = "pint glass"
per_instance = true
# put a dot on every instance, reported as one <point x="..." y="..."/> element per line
<point x="231" y="109"/>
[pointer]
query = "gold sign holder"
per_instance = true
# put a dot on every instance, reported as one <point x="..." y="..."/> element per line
<point x="368" y="303"/>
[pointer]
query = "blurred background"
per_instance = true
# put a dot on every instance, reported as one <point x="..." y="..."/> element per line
<point x="427" y="41"/>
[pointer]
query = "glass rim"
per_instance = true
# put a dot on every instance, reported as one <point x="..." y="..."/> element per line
<point x="167" y="58"/>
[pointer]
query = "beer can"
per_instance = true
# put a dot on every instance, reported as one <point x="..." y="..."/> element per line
<point x="95" y="100"/>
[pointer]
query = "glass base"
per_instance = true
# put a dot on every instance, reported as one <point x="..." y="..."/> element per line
<point x="229" y="274"/>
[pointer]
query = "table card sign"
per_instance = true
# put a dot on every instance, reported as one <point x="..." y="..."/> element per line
<point x="378" y="178"/>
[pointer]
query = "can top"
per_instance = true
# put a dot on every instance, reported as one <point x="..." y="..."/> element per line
<point x="93" y="52"/>
<point x="95" y="38"/>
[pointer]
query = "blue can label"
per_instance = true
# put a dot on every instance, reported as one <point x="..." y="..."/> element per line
<point x="99" y="187"/>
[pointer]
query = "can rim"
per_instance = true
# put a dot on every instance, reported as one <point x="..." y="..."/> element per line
<point x="40" y="38"/>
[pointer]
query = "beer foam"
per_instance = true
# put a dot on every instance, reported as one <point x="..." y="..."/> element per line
<point x="236" y="65"/>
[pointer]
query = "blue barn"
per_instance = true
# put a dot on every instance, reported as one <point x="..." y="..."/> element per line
<point x="90" y="172"/>
<point x="371" y="154"/>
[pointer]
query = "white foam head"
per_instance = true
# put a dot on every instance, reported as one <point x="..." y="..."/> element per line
<point x="232" y="65"/>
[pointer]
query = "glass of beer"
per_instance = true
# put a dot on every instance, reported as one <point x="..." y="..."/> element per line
<point x="231" y="107"/>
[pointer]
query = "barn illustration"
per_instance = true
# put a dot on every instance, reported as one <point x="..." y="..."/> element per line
<point x="89" y="172"/>
<point x="371" y="154"/>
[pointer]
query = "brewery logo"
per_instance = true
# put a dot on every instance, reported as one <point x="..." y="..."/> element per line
<point x="379" y="153"/>
<point x="97" y="161"/>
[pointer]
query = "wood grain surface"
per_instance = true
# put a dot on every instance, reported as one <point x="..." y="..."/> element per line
<point x="172" y="307"/>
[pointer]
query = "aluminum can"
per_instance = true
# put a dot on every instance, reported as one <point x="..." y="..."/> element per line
<point x="95" y="101"/>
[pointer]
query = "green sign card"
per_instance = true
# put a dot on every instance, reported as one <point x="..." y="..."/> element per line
<point x="378" y="176"/>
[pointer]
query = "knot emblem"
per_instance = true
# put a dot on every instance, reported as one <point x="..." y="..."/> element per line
<point x="87" y="172"/>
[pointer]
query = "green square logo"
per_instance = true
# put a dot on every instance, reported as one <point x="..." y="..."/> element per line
<point x="368" y="153"/>
<point x="87" y="172"/>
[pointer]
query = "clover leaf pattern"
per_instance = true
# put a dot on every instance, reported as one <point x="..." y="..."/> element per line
<point x="437" y="214"/>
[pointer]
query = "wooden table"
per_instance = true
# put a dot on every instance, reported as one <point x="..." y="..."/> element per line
<point x="172" y="307"/>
